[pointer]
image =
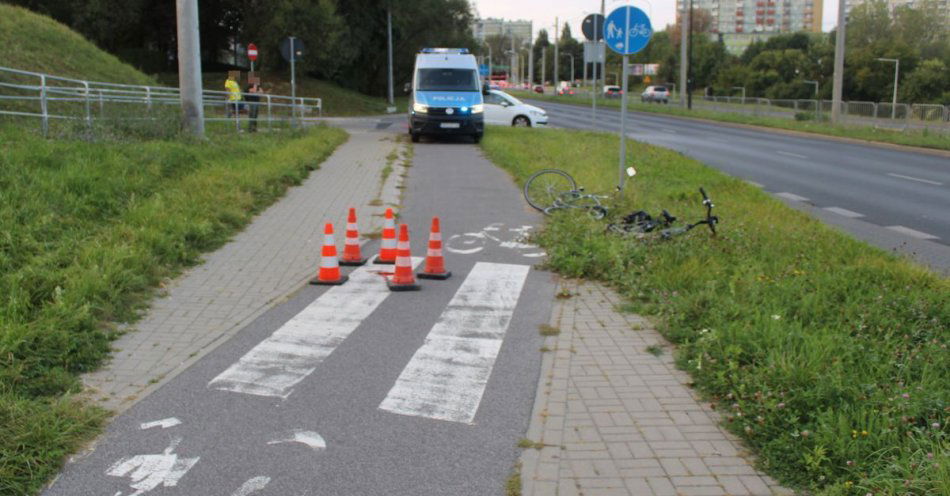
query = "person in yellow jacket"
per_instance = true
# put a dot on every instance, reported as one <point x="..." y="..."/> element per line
<point x="234" y="95"/>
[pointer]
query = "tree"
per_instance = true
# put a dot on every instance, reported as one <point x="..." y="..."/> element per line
<point x="928" y="83"/>
<point x="567" y="45"/>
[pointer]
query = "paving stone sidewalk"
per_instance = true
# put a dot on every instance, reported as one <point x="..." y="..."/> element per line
<point x="615" y="419"/>
<point x="263" y="264"/>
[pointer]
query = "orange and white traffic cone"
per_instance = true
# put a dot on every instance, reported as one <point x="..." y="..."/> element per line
<point x="329" y="266"/>
<point x="351" y="250"/>
<point x="402" y="279"/>
<point x="387" y="250"/>
<point x="435" y="264"/>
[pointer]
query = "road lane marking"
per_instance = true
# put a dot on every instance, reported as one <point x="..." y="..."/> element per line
<point x="292" y="352"/>
<point x="753" y="183"/>
<point x="790" y="154"/>
<point x="912" y="232"/>
<point x="151" y="471"/>
<point x="911" y="178"/>
<point x="252" y="486"/>
<point x="447" y="376"/>
<point x="845" y="212"/>
<point x="666" y="130"/>
<point x="312" y="439"/>
<point x="792" y="196"/>
<point x="164" y="423"/>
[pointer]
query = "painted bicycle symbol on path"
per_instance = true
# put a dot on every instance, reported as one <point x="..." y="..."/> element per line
<point x="496" y="234"/>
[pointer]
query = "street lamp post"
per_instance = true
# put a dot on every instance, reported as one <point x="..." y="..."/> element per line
<point x="743" y="92"/>
<point x="897" y="65"/>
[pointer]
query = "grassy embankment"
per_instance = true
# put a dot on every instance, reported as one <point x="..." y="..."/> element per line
<point x="827" y="356"/>
<point x="920" y="138"/>
<point x="87" y="230"/>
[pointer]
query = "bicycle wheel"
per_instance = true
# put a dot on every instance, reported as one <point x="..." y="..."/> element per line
<point x="545" y="186"/>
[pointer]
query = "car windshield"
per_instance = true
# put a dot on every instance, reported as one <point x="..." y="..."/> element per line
<point x="447" y="80"/>
<point x="659" y="88"/>
<point x="511" y="99"/>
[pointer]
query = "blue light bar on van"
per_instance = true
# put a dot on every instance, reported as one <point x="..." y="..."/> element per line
<point x="445" y="50"/>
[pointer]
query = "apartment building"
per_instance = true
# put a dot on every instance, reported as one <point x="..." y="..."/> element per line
<point x="483" y="28"/>
<point x="740" y="22"/>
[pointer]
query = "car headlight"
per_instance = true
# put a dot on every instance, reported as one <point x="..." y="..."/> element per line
<point x="478" y="108"/>
<point x="420" y="108"/>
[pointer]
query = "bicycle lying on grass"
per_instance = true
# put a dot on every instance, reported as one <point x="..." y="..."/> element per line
<point x="639" y="223"/>
<point x="551" y="189"/>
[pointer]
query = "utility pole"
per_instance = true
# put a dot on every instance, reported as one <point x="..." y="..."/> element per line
<point x="531" y="63"/>
<point x="838" y="81"/>
<point x="683" y="27"/>
<point x="555" y="57"/>
<point x="189" y="67"/>
<point x="593" y="95"/>
<point x="544" y="58"/>
<point x="689" y="59"/>
<point x="389" y="39"/>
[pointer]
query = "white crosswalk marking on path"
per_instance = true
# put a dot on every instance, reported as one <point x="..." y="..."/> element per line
<point x="447" y="375"/>
<point x="277" y="364"/>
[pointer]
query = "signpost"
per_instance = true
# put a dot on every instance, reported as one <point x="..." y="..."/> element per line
<point x="628" y="30"/>
<point x="291" y="49"/>
<point x="593" y="29"/>
<point x="252" y="54"/>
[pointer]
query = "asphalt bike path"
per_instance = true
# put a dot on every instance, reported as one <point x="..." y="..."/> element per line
<point x="892" y="198"/>
<point x="354" y="389"/>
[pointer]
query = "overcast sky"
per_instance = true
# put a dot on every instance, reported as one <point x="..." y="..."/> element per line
<point x="543" y="12"/>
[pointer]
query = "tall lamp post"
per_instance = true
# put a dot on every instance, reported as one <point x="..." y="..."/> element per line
<point x="897" y="65"/>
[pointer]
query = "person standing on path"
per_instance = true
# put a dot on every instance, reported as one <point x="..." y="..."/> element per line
<point x="253" y="105"/>
<point x="234" y="94"/>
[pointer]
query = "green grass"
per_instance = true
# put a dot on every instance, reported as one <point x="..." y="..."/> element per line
<point x="922" y="138"/>
<point x="33" y="42"/>
<point x="827" y="356"/>
<point x="87" y="231"/>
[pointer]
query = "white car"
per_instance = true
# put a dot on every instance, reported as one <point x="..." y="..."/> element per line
<point x="506" y="110"/>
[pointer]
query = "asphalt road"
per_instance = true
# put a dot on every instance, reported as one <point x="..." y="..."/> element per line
<point x="384" y="393"/>
<point x="895" y="199"/>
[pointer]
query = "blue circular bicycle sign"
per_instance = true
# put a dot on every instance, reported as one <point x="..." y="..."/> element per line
<point x="627" y="30"/>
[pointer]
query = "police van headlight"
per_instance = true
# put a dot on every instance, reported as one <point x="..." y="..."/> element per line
<point x="420" y="108"/>
<point x="478" y="108"/>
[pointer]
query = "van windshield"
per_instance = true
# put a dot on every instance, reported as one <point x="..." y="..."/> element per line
<point x="447" y="80"/>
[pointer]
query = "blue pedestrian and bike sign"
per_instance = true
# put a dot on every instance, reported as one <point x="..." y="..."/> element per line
<point x="627" y="30"/>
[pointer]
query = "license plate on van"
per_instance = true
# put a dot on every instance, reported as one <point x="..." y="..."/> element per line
<point x="449" y="125"/>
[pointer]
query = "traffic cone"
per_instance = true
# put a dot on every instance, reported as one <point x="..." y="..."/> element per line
<point x="351" y="250"/>
<point x="387" y="250"/>
<point x="329" y="266"/>
<point x="402" y="279"/>
<point x="435" y="264"/>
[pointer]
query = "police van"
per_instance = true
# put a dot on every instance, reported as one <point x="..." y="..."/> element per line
<point x="446" y="95"/>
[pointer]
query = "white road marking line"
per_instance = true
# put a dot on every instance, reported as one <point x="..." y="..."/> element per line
<point x="792" y="196"/>
<point x="845" y="212"/>
<point x="919" y="180"/>
<point x="447" y="375"/>
<point x="310" y="438"/>
<point x="252" y="486"/>
<point x="150" y="471"/>
<point x="753" y="183"/>
<point x="790" y="154"/>
<point x="164" y="423"/>
<point x="292" y="352"/>
<point x="912" y="232"/>
<point x="666" y="130"/>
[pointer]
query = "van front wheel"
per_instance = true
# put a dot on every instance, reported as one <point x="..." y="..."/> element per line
<point x="476" y="138"/>
<point x="415" y="137"/>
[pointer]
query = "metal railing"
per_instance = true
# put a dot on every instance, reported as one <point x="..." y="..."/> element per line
<point x="50" y="98"/>
<point x="902" y="116"/>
